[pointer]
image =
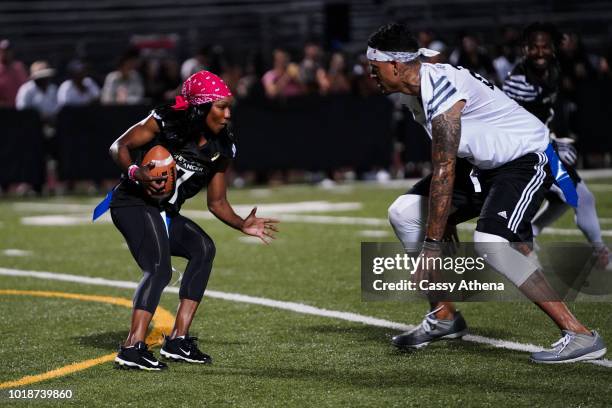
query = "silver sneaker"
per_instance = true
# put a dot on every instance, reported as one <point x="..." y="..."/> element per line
<point x="572" y="347"/>
<point x="431" y="329"/>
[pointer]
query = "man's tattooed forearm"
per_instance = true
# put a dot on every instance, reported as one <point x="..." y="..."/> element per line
<point x="446" y="133"/>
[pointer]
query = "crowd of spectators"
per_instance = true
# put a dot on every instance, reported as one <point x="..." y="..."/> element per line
<point x="153" y="76"/>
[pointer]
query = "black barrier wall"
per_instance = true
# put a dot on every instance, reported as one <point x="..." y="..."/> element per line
<point x="314" y="133"/>
<point x="21" y="154"/>
<point x="302" y="133"/>
<point x="309" y="133"/>
<point x="84" y="135"/>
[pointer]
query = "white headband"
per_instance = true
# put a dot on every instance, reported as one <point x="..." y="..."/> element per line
<point x="399" y="56"/>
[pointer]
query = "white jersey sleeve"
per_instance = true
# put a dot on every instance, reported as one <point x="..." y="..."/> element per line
<point x="494" y="128"/>
<point x="440" y="90"/>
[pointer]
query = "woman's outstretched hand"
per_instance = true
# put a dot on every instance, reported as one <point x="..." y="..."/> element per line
<point x="263" y="228"/>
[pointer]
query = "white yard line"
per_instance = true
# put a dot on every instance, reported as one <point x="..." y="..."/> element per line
<point x="278" y="304"/>
<point x="374" y="233"/>
<point x="592" y="174"/>
<point x="273" y="208"/>
<point x="600" y="188"/>
<point x="468" y="226"/>
<point x="71" y="220"/>
<point x="16" y="252"/>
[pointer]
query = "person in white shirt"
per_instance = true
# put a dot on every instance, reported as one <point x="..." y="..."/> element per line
<point x="39" y="92"/>
<point x="489" y="158"/>
<point x="196" y="63"/>
<point x="80" y="89"/>
<point x="124" y="86"/>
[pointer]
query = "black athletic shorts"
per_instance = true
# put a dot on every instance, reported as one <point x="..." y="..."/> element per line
<point x="509" y="196"/>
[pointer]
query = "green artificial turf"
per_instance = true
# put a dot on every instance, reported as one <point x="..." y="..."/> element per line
<point x="271" y="357"/>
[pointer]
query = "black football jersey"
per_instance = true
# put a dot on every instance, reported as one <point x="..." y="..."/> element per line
<point x="195" y="165"/>
<point x="533" y="94"/>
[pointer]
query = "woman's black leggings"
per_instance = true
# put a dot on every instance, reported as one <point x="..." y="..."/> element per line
<point x="150" y="244"/>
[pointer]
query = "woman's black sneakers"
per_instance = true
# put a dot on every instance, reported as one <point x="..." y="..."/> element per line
<point x="184" y="348"/>
<point x="138" y="356"/>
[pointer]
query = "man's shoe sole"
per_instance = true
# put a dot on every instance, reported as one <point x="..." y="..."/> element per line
<point x="589" y="356"/>
<point x="451" y="336"/>
<point x="128" y="364"/>
<point x="176" y="357"/>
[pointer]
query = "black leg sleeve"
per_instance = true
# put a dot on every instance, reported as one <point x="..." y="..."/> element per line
<point x="189" y="241"/>
<point x="145" y="234"/>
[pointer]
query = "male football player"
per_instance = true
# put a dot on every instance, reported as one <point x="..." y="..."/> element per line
<point x="473" y="124"/>
<point x="534" y="84"/>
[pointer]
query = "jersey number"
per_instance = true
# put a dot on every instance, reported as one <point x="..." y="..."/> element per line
<point x="478" y="77"/>
<point x="182" y="175"/>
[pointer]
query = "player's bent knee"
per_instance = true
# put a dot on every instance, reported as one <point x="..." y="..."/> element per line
<point x="162" y="277"/>
<point x="406" y="212"/>
<point x="498" y="253"/>
<point x="208" y="247"/>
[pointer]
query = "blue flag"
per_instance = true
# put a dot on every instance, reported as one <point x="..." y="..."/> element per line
<point x="103" y="206"/>
<point x="562" y="179"/>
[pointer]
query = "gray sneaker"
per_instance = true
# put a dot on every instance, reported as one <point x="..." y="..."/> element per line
<point x="431" y="329"/>
<point x="572" y="347"/>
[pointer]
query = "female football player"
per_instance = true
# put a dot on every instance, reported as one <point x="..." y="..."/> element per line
<point x="195" y="131"/>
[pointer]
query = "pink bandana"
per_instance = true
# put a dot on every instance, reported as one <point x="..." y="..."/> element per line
<point x="201" y="87"/>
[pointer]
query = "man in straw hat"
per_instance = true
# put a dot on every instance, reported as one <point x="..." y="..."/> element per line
<point x="39" y="92"/>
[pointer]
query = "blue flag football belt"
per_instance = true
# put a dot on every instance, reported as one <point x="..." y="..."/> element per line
<point x="104" y="205"/>
<point x="562" y="178"/>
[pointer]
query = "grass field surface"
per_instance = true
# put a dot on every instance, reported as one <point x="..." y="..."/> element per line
<point x="267" y="356"/>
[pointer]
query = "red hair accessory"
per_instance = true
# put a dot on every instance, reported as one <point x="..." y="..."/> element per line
<point x="202" y="87"/>
<point x="180" y="103"/>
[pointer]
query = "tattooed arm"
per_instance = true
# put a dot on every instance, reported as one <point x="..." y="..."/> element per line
<point x="446" y="132"/>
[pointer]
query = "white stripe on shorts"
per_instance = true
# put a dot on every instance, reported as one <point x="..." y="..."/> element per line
<point x="534" y="184"/>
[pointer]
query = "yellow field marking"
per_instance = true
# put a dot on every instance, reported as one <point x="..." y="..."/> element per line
<point x="162" y="323"/>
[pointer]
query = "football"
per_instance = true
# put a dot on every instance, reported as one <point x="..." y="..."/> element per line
<point x="164" y="166"/>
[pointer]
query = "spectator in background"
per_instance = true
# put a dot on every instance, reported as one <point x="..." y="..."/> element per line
<point x="79" y="89"/>
<point x="125" y="85"/>
<point x="337" y="76"/>
<point x="196" y="63"/>
<point x="473" y="57"/>
<point x="363" y="84"/>
<point x="161" y="78"/>
<point x="605" y="63"/>
<point x="283" y="80"/>
<point x="442" y="57"/>
<point x="425" y="38"/>
<point x="509" y="53"/>
<point x="312" y="74"/>
<point x="39" y="93"/>
<point x="576" y="65"/>
<point x="12" y="75"/>
<point x="250" y="85"/>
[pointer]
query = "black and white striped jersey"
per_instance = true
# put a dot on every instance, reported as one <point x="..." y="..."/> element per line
<point x="532" y="93"/>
